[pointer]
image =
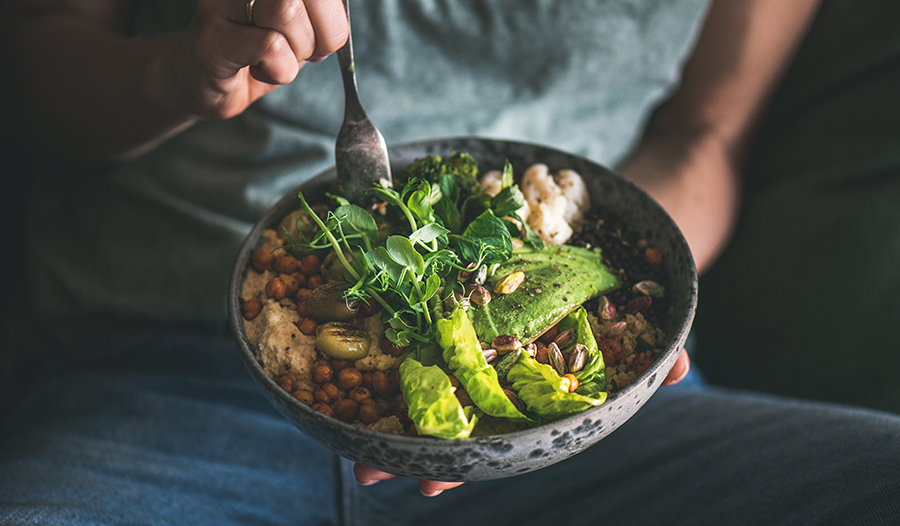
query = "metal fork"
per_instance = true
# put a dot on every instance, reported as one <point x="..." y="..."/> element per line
<point x="360" y="152"/>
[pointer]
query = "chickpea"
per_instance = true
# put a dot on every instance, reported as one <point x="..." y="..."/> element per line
<point x="385" y="405"/>
<point x="307" y="326"/>
<point x="396" y="383"/>
<point x="323" y="408"/>
<point x="286" y="263"/>
<point x="250" y="309"/>
<point x="263" y="260"/>
<point x="290" y="285"/>
<point x="319" y="361"/>
<point x="332" y="390"/>
<point x="359" y="394"/>
<point x="314" y="282"/>
<point x="326" y="393"/>
<point x="349" y="378"/>
<point x="276" y="289"/>
<point x="301" y="308"/>
<point x="346" y="410"/>
<point x="369" y="412"/>
<point x="367" y="381"/>
<point x="339" y="365"/>
<point x="304" y="396"/>
<point x="653" y="256"/>
<point x="322" y="373"/>
<point x="302" y="293"/>
<point x="311" y="265"/>
<point x="286" y="382"/>
<point x="573" y="381"/>
<point x="300" y="278"/>
<point x="381" y="383"/>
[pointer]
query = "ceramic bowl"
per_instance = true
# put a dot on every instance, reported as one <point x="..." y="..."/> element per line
<point x="513" y="453"/>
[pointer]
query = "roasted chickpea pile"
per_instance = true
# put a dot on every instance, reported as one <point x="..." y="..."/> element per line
<point x="345" y="393"/>
<point x="341" y="391"/>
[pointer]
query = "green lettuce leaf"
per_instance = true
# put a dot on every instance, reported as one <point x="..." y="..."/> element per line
<point x="462" y="352"/>
<point x="592" y="377"/>
<point x="544" y="392"/>
<point x="433" y="407"/>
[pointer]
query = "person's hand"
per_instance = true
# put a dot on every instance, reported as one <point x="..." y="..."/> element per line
<point x="367" y="476"/>
<point x="223" y="63"/>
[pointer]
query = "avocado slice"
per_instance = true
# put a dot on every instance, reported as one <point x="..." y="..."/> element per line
<point x="557" y="280"/>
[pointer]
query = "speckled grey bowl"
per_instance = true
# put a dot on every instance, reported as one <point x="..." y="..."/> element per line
<point x="513" y="453"/>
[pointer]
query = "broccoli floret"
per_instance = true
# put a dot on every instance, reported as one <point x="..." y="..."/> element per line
<point x="432" y="168"/>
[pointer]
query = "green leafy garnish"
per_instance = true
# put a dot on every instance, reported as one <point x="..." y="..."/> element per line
<point x="545" y="393"/>
<point x="433" y="407"/>
<point x="462" y="352"/>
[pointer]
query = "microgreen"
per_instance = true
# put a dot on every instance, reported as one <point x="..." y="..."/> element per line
<point x="414" y="269"/>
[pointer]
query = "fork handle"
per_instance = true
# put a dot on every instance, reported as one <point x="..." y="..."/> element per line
<point x="353" y="108"/>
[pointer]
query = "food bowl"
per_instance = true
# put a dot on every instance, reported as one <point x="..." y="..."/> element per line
<point x="512" y="453"/>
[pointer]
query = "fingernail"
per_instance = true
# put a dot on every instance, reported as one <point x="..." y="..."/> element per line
<point x="370" y="482"/>
<point x="434" y="493"/>
<point x="318" y="59"/>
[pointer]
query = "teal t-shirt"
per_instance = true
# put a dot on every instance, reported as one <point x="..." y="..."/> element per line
<point x="155" y="239"/>
<point x="805" y="300"/>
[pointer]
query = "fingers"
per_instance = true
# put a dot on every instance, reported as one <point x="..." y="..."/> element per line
<point x="679" y="370"/>
<point x="432" y="488"/>
<point x="311" y="28"/>
<point x="207" y="74"/>
<point x="367" y="476"/>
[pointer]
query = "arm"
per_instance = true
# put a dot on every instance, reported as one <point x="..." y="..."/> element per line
<point x="83" y="89"/>
<point x="691" y="154"/>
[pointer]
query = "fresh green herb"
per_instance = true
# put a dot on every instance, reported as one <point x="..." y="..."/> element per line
<point x="431" y="240"/>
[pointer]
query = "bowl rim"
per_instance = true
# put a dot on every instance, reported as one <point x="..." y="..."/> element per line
<point x="661" y="365"/>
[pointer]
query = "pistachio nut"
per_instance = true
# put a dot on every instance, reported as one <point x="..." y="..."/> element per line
<point x="514" y="398"/>
<point x="557" y="361"/>
<point x="509" y="283"/>
<point x="506" y="363"/>
<point x="481" y="275"/>
<point x="531" y="349"/>
<point x="607" y="309"/>
<point x="578" y="358"/>
<point x="479" y="295"/>
<point x="565" y="338"/>
<point x="489" y="354"/>
<point x="649" y="288"/>
<point x="638" y="304"/>
<point x="465" y="275"/>
<point x="506" y="343"/>
<point x="615" y="330"/>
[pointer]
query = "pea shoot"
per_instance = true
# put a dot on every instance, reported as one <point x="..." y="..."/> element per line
<point x="444" y="224"/>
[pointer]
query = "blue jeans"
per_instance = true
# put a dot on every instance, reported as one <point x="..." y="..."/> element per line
<point x="167" y="428"/>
